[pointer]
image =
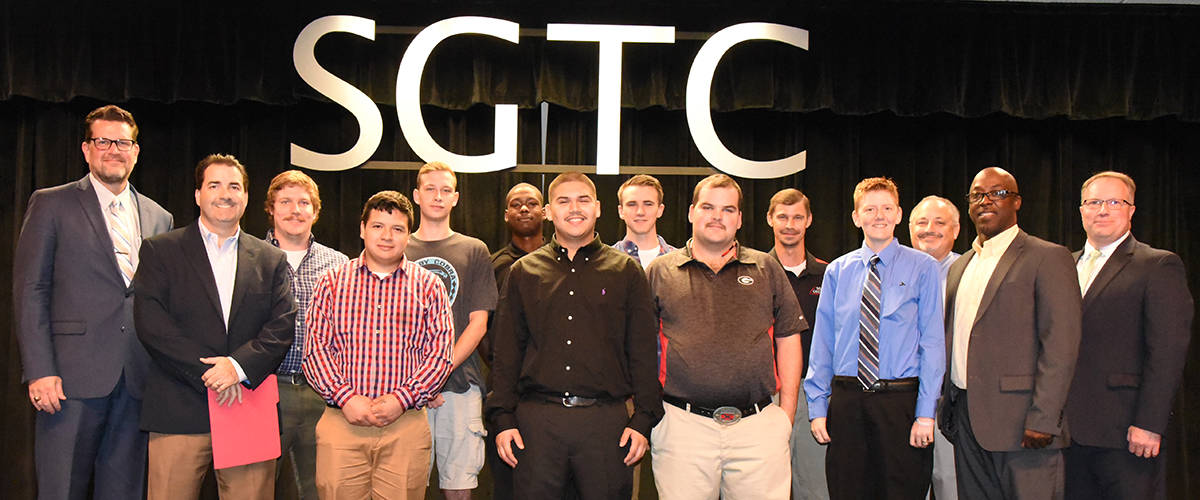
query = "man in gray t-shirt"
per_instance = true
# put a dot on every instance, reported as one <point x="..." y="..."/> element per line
<point x="464" y="265"/>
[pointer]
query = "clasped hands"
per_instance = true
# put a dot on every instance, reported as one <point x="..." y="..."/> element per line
<point x="223" y="378"/>
<point x="378" y="412"/>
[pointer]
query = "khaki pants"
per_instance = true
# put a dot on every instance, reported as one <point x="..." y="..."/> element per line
<point x="356" y="462"/>
<point x="695" y="458"/>
<point x="178" y="463"/>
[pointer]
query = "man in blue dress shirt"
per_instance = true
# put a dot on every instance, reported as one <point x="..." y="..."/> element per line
<point x="878" y="356"/>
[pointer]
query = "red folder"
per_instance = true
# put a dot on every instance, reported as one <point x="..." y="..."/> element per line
<point x="246" y="432"/>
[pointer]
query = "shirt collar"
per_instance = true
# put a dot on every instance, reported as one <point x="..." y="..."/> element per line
<point x="996" y="245"/>
<point x="738" y="255"/>
<point x="587" y="249"/>
<point x="361" y="265"/>
<point x="106" y="197"/>
<point x="1106" y="250"/>
<point x="275" y="241"/>
<point x="885" y="257"/>
<point x="211" y="237"/>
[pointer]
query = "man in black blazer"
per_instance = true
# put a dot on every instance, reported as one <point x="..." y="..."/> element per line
<point x="214" y="309"/>
<point x="1137" y="320"/>
<point x="1012" y="336"/>
<point x="74" y="310"/>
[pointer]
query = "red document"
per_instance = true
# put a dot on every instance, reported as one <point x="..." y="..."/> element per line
<point x="247" y="432"/>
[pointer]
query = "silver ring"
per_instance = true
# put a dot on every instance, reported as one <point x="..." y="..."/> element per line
<point x="37" y="398"/>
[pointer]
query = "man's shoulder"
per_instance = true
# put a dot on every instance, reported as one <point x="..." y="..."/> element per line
<point x="176" y="236"/>
<point x="147" y="203"/>
<point x="58" y="192"/>
<point x="328" y="254"/>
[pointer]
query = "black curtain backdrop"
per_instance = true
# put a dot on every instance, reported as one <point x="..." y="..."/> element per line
<point x="926" y="94"/>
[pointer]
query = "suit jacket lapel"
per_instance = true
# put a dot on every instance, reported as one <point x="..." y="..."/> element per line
<point x="246" y="260"/>
<point x="1119" y="258"/>
<point x="1006" y="262"/>
<point x="145" y="225"/>
<point x="90" y="205"/>
<point x="197" y="256"/>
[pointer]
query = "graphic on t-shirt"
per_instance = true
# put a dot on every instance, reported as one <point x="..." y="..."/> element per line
<point x="442" y="269"/>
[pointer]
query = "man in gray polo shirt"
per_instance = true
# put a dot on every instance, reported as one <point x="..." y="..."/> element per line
<point x="728" y="325"/>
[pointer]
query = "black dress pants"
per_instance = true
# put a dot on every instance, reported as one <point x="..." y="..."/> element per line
<point x="869" y="456"/>
<point x="565" y="445"/>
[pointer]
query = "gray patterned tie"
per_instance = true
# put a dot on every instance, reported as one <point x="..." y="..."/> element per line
<point x="122" y="238"/>
<point x="868" y="328"/>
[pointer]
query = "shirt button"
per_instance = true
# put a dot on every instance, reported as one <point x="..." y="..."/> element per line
<point x="572" y="292"/>
<point x="376" y="332"/>
<point x="379" y="306"/>
<point x="570" y="318"/>
<point x="568" y="342"/>
<point x="567" y="394"/>
<point x="572" y="269"/>
<point x="568" y="367"/>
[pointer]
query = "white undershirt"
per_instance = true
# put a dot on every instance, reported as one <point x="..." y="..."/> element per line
<point x="647" y="255"/>
<point x="294" y="257"/>
<point x="798" y="268"/>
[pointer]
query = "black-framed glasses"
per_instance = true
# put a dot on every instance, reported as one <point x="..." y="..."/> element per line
<point x="103" y="144"/>
<point x="996" y="195"/>
<point x="1112" y="204"/>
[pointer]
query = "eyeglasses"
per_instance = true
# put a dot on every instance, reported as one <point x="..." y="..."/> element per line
<point x="1113" y="204"/>
<point x="996" y="195"/>
<point x="103" y="144"/>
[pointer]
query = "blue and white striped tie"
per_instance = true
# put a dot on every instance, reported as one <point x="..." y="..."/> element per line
<point x="868" y="328"/>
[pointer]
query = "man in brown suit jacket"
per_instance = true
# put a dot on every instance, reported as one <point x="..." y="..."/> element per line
<point x="1012" y="336"/>
<point x="1137" y="317"/>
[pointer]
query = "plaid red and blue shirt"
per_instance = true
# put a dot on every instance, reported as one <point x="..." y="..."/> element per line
<point x="372" y="336"/>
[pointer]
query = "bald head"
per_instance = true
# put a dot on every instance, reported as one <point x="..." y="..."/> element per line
<point x="933" y="226"/>
<point x="998" y="201"/>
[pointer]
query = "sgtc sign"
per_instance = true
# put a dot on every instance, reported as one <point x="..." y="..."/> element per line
<point x="610" y="38"/>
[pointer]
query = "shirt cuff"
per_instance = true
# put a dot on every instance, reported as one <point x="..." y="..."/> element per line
<point x="241" y="373"/>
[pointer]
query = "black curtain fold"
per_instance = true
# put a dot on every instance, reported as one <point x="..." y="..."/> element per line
<point x="969" y="60"/>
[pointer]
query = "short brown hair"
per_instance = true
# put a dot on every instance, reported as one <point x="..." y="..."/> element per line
<point x="789" y="196"/>
<point x="291" y="178"/>
<point x="1111" y="175"/>
<point x="222" y="160"/>
<point x="109" y="113"/>
<point x="717" y="181"/>
<point x="641" y="180"/>
<point x="875" y="184"/>
<point x="388" y="201"/>
<point x="436" y="166"/>
<point x="573" y="176"/>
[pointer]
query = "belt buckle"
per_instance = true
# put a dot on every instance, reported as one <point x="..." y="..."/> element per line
<point x="567" y="401"/>
<point x="727" y="415"/>
<point x="878" y="386"/>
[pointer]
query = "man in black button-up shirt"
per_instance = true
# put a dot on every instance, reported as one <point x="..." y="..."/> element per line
<point x="574" y="339"/>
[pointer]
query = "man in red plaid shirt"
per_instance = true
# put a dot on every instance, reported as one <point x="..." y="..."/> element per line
<point x="377" y="350"/>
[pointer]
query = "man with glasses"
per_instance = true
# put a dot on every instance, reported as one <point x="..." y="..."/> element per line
<point x="74" y="262"/>
<point x="877" y="359"/>
<point x="1137" y="320"/>
<point x="1012" y="334"/>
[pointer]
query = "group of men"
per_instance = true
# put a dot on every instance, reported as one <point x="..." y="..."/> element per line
<point x="598" y="354"/>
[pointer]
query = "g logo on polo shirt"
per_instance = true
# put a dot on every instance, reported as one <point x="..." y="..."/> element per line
<point x="745" y="280"/>
<point x="442" y="269"/>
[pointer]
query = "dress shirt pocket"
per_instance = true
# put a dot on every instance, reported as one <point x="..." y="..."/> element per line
<point x="1124" y="380"/>
<point x="1016" y="383"/>
<point x="68" y="327"/>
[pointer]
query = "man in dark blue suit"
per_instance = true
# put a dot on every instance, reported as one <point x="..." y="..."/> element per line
<point x="74" y="263"/>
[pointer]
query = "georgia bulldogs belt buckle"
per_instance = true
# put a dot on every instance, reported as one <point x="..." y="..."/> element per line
<point x="727" y="415"/>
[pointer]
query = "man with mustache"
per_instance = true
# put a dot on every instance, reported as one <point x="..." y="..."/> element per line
<point x="933" y="228"/>
<point x="1137" y="322"/>
<point x="574" y="340"/>
<point x="729" y="326"/>
<point x="789" y="215"/>
<point x="380" y="332"/>
<point x="524" y="214"/>
<point x="1012" y="335"/>
<point x="74" y="261"/>
<point x="294" y="205"/>
<point x="456" y="413"/>
<point x="640" y="205"/>
<point x="877" y="357"/>
<point x="214" y="308"/>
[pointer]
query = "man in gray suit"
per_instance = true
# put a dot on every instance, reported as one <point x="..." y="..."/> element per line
<point x="74" y="261"/>
<point x="1137" y="321"/>
<point x="1012" y="335"/>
